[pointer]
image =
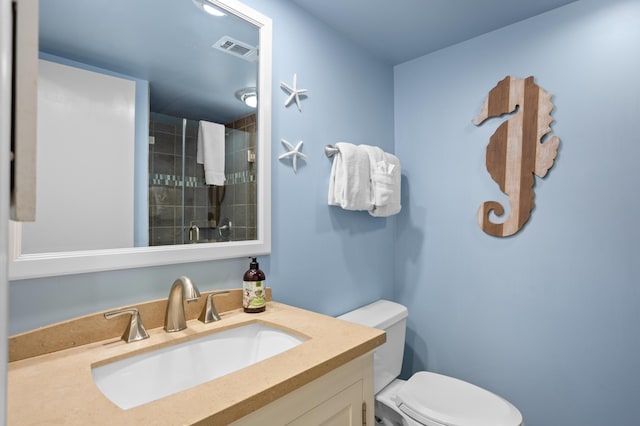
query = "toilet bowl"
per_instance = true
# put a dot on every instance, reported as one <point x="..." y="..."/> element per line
<point x="426" y="398"/>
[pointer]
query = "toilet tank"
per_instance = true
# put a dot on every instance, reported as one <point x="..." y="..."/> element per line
<point x="392" y="318"/>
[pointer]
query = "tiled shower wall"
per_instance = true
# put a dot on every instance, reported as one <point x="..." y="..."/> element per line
<point x="240" y="196"/>
<point x="168" y="222"/>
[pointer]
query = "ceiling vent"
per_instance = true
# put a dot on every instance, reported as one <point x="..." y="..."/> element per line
<point x="237" y="48"/>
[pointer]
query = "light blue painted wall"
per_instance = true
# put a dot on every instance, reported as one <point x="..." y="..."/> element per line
<point x="549" y="318"/>
<point x="323" y="258"/>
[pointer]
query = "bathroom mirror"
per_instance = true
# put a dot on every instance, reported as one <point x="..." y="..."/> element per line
<point x="180" y="66"/>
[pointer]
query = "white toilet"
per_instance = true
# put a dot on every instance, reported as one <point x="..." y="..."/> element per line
<point x="426" y="399"/>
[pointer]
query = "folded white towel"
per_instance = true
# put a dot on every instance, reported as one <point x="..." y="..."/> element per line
<point x="211" y="152"/>
<point x="385" y="181"/>
<point x="376" y="170"/>
<point x="350" y="182"/>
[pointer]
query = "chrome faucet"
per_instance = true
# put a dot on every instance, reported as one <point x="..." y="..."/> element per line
<point x="210" y="313"/>
<point x="183" y="289"/>
<point x="194" y="233"/>
<point x="135" y="330"/>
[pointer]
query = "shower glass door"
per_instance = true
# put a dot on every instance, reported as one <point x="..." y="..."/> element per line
<point x="183" y="209"/>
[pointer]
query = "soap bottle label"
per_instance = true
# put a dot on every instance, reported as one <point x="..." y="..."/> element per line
<point x="253" y="294"/>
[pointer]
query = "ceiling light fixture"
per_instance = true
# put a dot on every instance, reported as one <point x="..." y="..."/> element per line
<point x="208" y="7"/>
<point x="248" y="96"/>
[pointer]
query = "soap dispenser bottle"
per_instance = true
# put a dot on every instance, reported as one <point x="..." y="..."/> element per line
<point x="253" y="289"/>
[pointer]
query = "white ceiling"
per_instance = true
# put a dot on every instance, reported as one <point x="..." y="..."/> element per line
<point x="171" y="47"/>
<point x="406" y="29"/>
<point x="160" y="44"/>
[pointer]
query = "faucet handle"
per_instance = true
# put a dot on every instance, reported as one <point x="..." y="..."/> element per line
<point x="135" y="331"/>
<point x="210" y="313"/>
<point x="194" y="233"/>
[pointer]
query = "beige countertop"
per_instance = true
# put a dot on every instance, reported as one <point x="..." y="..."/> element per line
<point x="57" y="388"/>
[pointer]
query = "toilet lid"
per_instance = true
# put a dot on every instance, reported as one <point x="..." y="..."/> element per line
<point x="429" y="397"/>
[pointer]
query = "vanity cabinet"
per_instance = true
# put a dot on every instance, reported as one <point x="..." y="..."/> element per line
<point x="327" y="379"/>
<point x="341" y="397"/>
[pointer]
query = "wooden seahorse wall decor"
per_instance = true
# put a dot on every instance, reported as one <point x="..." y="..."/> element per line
<point x="516" y="151"/>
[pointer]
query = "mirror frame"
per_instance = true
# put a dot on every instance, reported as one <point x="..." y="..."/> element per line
<point x="22" y="266"/>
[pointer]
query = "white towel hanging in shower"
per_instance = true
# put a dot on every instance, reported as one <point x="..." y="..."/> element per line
<point x="211" y="151"/>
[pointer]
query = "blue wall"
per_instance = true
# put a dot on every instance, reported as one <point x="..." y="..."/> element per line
<point x="323" y="258"/>
<point x="550" y="317"/>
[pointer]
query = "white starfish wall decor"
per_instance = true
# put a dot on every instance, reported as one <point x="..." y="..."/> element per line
<point x="294" y="92"/>
<point x="294" y="153"/>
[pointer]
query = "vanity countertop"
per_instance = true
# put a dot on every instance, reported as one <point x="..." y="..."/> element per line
<point x="57" y="388"/>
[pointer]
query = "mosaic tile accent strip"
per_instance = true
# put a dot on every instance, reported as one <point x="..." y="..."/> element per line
<point x="233" y="178"/>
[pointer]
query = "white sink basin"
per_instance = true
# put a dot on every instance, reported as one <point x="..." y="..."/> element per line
<point x="153" y="375"/>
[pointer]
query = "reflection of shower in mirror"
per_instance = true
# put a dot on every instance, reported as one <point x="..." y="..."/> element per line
<point x="180" y="199"/>
<point x="224" y="230"/>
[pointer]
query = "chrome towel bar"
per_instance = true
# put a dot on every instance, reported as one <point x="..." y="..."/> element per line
<point x="330" y="151"/>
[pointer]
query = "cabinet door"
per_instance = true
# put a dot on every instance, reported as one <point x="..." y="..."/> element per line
<point x="343" y="409"/>
<point x="335" y="399"/>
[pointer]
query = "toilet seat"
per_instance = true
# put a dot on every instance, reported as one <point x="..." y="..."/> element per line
<point x="433" y="398"/>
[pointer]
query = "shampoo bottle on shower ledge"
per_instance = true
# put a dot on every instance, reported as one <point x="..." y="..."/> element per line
<point x="254" y="297"/>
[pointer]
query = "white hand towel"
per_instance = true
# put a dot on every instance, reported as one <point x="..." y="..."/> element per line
<point x="388" y="184"/>
<point x="385" y="182"/>
<point x="377" y="168"/>
<point x="350" y="182"/>
<point x="211" y="152"/>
